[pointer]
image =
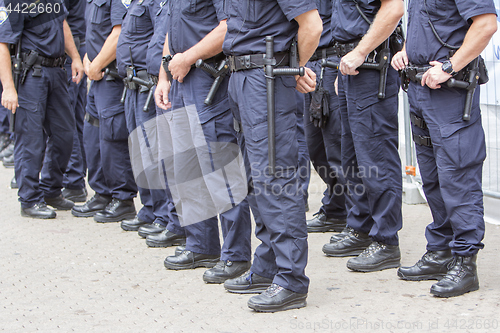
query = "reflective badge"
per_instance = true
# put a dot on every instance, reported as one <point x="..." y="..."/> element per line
<point x="4" y="14"/>
<point x="126" y="3"/>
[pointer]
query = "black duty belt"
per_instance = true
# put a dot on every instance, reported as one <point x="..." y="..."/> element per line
<point x="143" y="75"/>
<point x="92" y="120"/>
<point x="341" y="49"/>
<point x="216" y="58"/>
<point x="45" y="61"/>
<point x="252" y="61"/>
<point x="414" y="72"/>
<point x="323" y="53"/>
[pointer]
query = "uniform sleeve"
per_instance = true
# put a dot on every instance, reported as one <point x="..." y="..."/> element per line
<point x="470" y="8"/>
<point x="118" y="11"/>
<point x="11" y="24"/>
<point x="294" y="8"/>
<point x="219" y="9"/>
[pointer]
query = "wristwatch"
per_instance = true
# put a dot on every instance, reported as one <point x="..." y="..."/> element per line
<point x="447" y="67"/>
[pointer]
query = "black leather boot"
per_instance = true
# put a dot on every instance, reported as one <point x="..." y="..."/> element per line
<point x="13" y="183"/>
<point x="321" y="223"/>
<point x="75" y="195"/>
<point x="38" y="211"/>
<point x="460" y="279"/>
<point x="352" y="244"/>
<point x="150" y="229"/>
<point x="8" y="161"/>
<point x="165" y="239"/>
<point x="117" y="210"/>
<point x="248" y="283"/>
<point x="133" y="224"/>
<point x="92" y="206"/>
<point x="225" y="270"/>
<point x="60" y="203"/>
<point x="432" y="266"/>
<point x="376" y="257"/>
<point x="276" y="298"/>
<point x="190" y="260"/>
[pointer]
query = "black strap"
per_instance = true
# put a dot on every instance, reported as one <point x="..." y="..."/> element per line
<point x="92" y="120"/>
<point x="418" y="122"/>
<point x="422" y="140"/>
<point x="323" y="53"/>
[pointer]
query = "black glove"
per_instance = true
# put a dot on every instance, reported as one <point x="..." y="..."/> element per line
<point x="319" y="110"/>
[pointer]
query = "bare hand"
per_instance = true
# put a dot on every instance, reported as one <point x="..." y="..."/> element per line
<point x="434" y="76"/>
<point x="306" y="83"/>
<point x="350" y="62"/>
<point x="77" y="70"/>
<point x="336" y="85"/>
<point x="161" y="94"/>
<point x="178" y="67"/>
<point x="399" y="60"/>
<point x="9" y="99"/>
<point x="95" y="73"/>
<point x="86" y="64"/>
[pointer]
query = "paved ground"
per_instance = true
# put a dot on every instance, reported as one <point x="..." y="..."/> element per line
<point x="72" y="274"/>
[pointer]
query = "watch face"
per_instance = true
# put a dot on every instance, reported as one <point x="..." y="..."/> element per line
<point x="447" y="67"/>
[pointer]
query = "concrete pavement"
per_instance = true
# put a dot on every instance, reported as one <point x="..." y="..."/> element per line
<point x="76" y="275"/>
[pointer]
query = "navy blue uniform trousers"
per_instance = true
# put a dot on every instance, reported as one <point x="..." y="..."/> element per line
<point x="217" y="124"/>
<point x="74" y="177"/>
<point x="276" y="201"/>
<point x="451" y="169"/>
<point x="324" y="145"/>
<point x="43" y="121"/>
<point x="106" y="146"/>
<point x="370" y="159"/>
<point x="154" y="201"/>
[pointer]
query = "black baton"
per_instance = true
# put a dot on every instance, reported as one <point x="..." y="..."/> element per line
<point x="270" y="73"/>
<point x="17" y="75"/>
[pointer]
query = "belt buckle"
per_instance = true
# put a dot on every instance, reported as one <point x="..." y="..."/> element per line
<point x="232" y="67"/>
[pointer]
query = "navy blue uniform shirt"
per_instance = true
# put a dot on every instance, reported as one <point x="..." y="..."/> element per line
<point x="101" y="16"/>
<point x="191" y="20"/>
<point x="347" y="24"/>
<point x="325" y="12"/>
<point x="451" y="19"/>
<point x="155" y="47"/>
<point x="137" y="31"/>
<point x="250" y="21"/>
<point x="41" y="32"/>
<point x="76" y="17"/>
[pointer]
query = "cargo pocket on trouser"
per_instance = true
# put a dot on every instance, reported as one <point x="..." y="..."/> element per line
<point x="462" y="145"/>
<point x="113" y="124"/>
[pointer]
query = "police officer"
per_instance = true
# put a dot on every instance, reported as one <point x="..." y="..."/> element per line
<point x="74" y="177"/>
<point x="323" y="136"/>
<point x="196" y="32"/>
<point x="42" y="100"/>
<point x="131" y="51"/>
<point x="105" y="131"/>
<point x="278" y="270"/>
<point x="450" y="150"/>
<point x="370" y="159"/>
<point x="173" y="234"/>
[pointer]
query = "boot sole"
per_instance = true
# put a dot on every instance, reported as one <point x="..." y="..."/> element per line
<point x="474" y="287"/>
<point x="350" y="253"/>
<point x="116" y="219"/>
<point x="89" y="214"/>
<point x="379" y="267"/>
<point x="151" y="243"/>
<point x="295" y="304"/>
<point x="129" y="228"/>
<point x="38" y="217"/>
<point x="420" y="277"/>
<point x="208" y="263"/>
<point x="256" y="289"/>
